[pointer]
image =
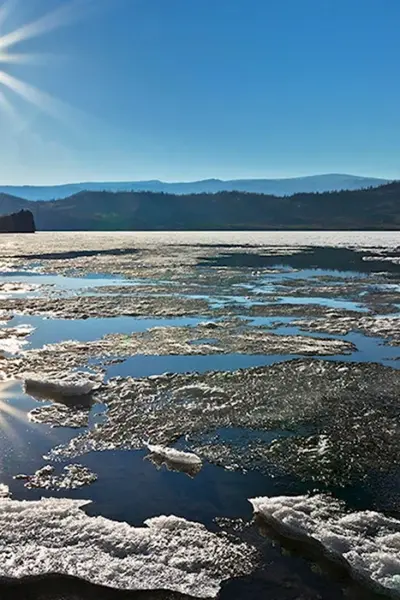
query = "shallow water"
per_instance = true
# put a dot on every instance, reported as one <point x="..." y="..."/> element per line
<point x="63" y="282"/>
<point x="130" y="487"/>
<point x="368" y="349"/>
<point x="329" y="302"/>
<point x="145" y="366"/>
<point x="51" y="331"/>
<point x="23" y="443"/>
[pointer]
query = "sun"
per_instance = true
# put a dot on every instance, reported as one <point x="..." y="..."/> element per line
<point x="9" y="55"/>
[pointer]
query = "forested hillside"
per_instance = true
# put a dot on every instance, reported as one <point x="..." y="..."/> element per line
<point x="372" y="208"/>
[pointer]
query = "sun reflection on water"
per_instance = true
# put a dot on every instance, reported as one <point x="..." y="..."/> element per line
<point x="9" y="413"/>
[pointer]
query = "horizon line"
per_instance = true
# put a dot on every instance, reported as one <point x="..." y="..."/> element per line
<point x="205" y="179"/>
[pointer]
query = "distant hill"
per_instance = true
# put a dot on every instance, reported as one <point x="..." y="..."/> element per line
<point x="276" y="187"/>
<point x="372" y="208"/>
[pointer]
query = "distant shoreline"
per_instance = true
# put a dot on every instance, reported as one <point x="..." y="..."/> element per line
<point x="370" y="209"/>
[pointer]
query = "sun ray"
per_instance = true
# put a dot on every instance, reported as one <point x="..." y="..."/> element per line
<point x="68" y="12"/>
<point x="25" y="59"/>
<point x="42" y="100"/>
<point x="7" y="409"/>
<point x="4" y="102"/>
<point x="57" y="18"/>
<point x="10" y="432"/>
<point x="10" y="414"/>
<point x="5" y="10"/>
<point x="8" y="108"/>
<point x="9" y="428"/>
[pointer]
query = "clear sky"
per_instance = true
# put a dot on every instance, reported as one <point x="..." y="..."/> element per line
<point x="192" y="89"/>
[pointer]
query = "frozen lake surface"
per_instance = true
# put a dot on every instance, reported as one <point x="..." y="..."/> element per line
<point x="260" y="364"/>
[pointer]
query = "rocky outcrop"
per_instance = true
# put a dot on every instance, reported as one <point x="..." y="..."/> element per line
<point x="18" y="222"/>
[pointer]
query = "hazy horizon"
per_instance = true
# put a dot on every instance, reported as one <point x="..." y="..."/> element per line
<point x="174" y="181"/>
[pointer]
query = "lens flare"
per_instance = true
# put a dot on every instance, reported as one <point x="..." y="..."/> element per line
<point x="5" y="10"/>
<point x="45" y="102"/>
<point x="5" y="104"/>
<point x="24" y="59"/>
<point x="48" y="22"/>
<point x="57" y="18"/>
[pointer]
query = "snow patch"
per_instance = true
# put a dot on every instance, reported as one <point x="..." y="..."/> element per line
<point x="55" y="536"/>
<point x="175" y="455"/>
<point x="367" y="542"/>
<point x="12" y="339"/>
<point x="70" y="386"/>
<point x="175" y="460"/>
<point x="72" y="477"/>
<point x="60" y="415"/>
<point x="4" y="491"/>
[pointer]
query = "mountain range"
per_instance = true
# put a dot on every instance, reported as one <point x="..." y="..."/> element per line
<point x="371" y="208"/>
<point x="276" y="187"/>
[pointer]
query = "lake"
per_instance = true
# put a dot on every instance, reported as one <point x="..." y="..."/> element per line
<point x="222" y="367"/>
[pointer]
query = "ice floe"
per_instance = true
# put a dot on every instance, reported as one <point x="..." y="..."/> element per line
<point x="234" y="337"/>
<point x="60" y="415"/>
<point x="4" y="491"/>
<point x="175" y="455"/>
<point x="84" y="307"/>
<point x="15" y="287"/>
<point x="71" y="396"/>
<point x="387" y="326"/>
<point x="175" y="460"/>
<point x="72" y="477"/>
<point x="71" y="386"/>
<point x="339" y="445"/>
<point x="338" y="403"/>
<point x="153" y="305"/>
<point x="367" y="542"/>
<point x="169" y="553"/>
<point x="13" y="339"/>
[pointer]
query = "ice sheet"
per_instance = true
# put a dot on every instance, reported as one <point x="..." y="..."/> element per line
<point x="56" y="536"/>
<point x="367" y="542"/>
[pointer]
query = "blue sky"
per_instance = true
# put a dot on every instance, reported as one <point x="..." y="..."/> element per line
<point x="191" y="89"/>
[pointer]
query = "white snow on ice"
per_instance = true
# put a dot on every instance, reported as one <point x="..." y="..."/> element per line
<point x="4" y="490"/>
<point x="48" y="388"/>
<point x="175" y="456"/>
<point x="12" y="339"/>
<point x="174" y="460"/>
<point x="56" y="536"/>
<point x="367" y="542"/>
